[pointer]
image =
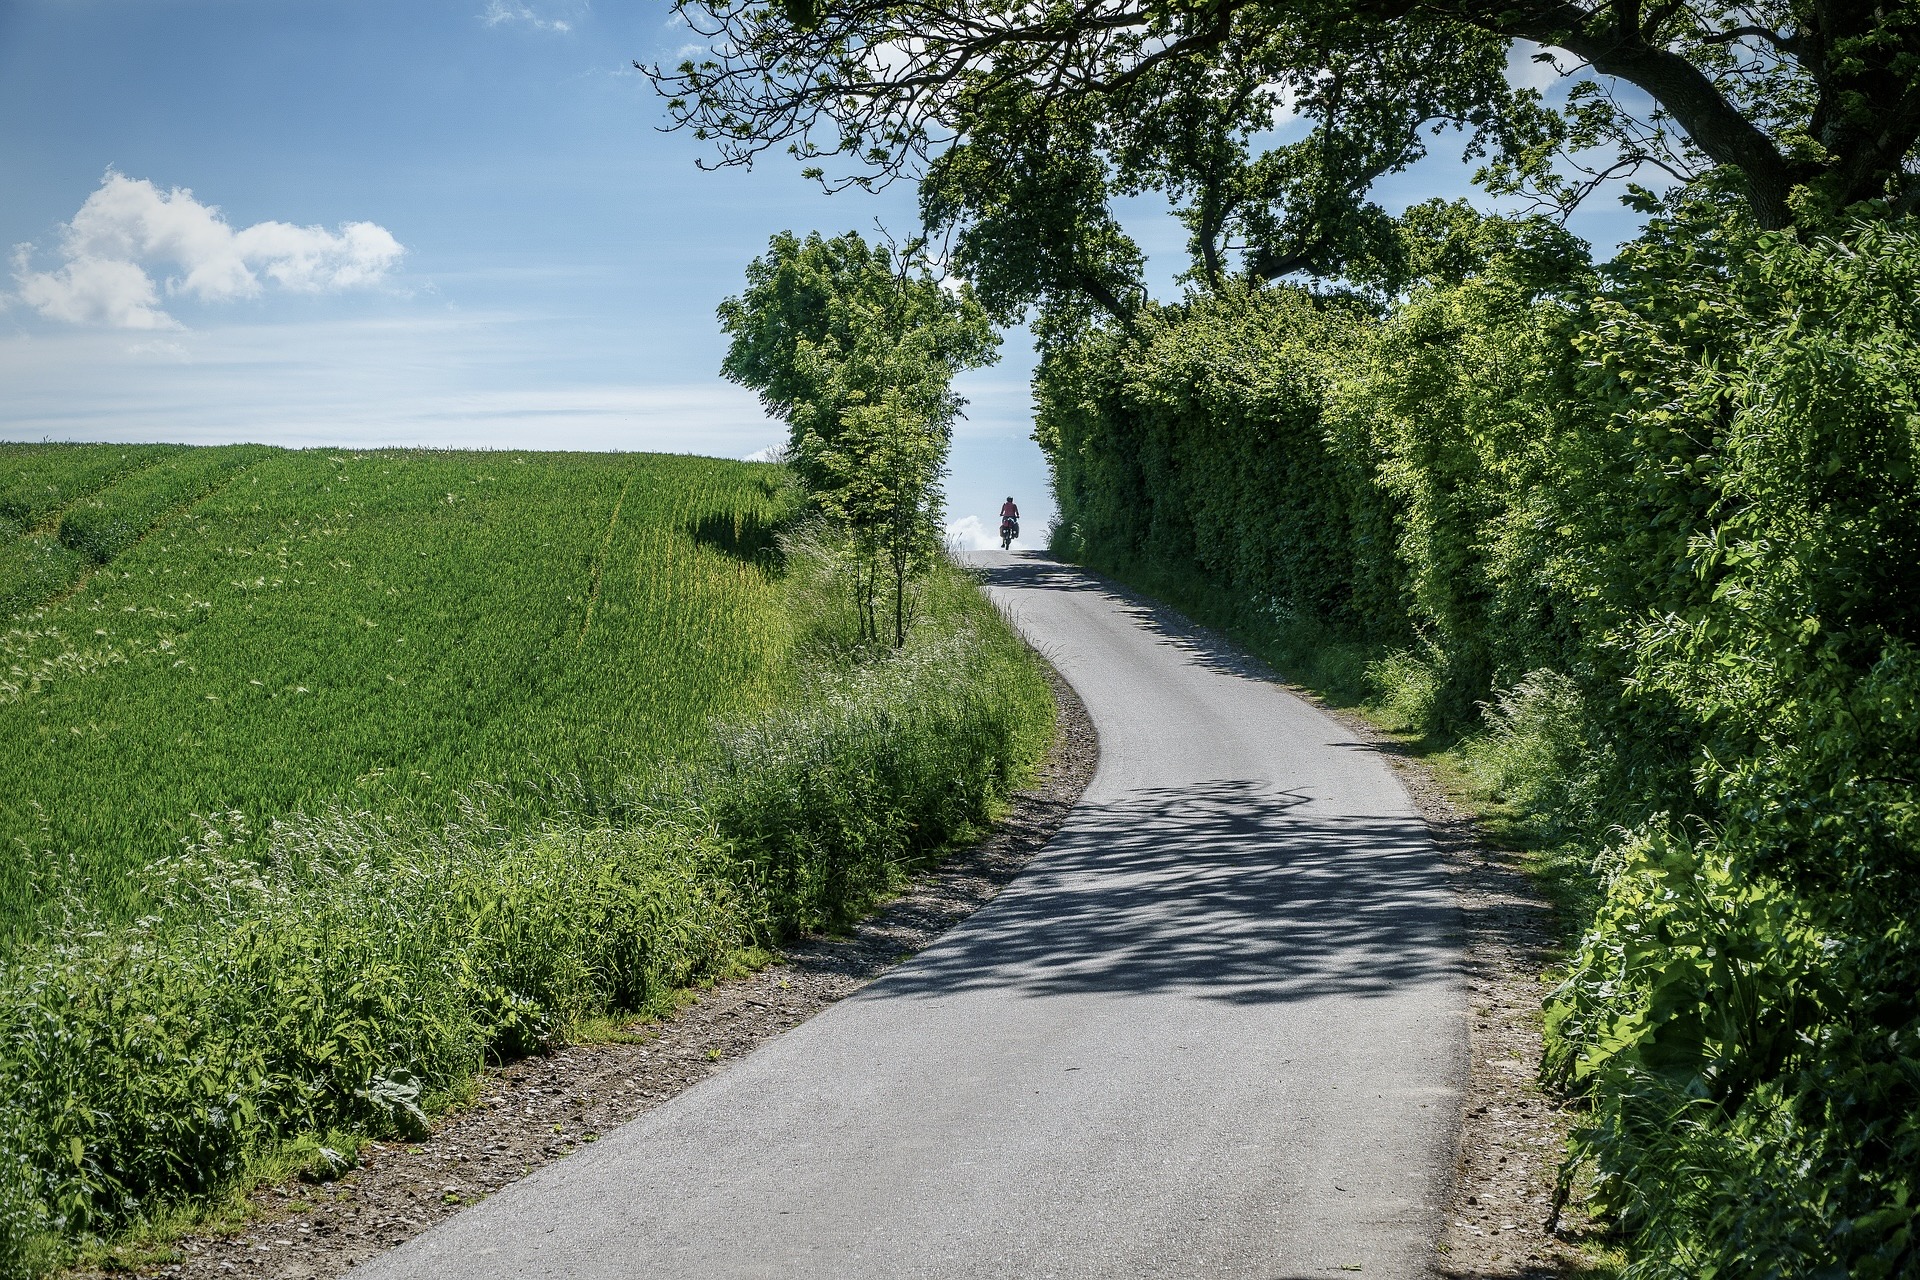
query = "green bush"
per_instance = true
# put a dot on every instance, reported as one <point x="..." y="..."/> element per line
<point x="149" y="1064"/>
<point x="1539" y="753"/>
<point x="1405" y="688"/>
<point x="1780" y="1001"/>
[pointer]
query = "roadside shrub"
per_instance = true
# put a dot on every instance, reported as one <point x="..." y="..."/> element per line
<point x="150" y="1064"/>
<point x="1405" y="687"/>
<point x="882" y="764"/>
<point x="1202" y="450"/>
<point x="1651" y="535"/>
<point x="1781" y="997"/>
<point x="1538" y="753"/>
<point x="26" y="1231"/>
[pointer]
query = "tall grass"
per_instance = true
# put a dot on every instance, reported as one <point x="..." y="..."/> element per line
<point x="103" y="526"/>
<point x="38" y="480"/>
<point x="35" y="567"/>
<point x="886" y="757"/>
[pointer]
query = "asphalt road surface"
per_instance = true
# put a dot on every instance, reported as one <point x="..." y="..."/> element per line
<point x="1216" y="1029"/>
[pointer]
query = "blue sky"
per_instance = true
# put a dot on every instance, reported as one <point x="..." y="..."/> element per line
<point x="444" y="222"/>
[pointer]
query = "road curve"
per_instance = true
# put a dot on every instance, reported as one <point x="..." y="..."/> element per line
<point x="1216" y="1029"/>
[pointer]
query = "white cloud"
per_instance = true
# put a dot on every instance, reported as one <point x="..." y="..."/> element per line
<point x="1527" y="70"/>
<point x="129" y="226"/>
<point x="162" y="348"/>
<point x="86" y="290"/>
<point x="970" y="533"/>
<point x="498" y="11"/>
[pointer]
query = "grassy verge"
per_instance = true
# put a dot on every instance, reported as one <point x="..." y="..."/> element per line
<point x="347" y="971"/>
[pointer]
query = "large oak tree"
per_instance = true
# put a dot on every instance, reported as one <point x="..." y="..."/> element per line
<point x="1024" y="118"/>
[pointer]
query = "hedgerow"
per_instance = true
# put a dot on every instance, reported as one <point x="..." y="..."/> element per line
<point x="1644" y="534"/>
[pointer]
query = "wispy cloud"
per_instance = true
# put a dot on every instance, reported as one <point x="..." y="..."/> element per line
<point x="130" y="228"/>
<point x="499" y="12"/>
<point x="453" y="380"/>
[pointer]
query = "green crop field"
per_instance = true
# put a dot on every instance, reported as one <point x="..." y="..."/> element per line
<point x="327" y="778"/>
<point x="192" y="634"/>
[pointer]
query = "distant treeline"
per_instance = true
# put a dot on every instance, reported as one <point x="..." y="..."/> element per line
<point x="1649" y="533"/>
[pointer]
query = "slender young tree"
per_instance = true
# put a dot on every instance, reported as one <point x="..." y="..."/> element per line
<point x="855" y="347"/>
<point x="886" y="467"/>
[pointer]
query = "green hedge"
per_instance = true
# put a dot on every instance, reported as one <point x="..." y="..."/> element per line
<point x="1646" y="534"/>
<point x="1207" y="444"/>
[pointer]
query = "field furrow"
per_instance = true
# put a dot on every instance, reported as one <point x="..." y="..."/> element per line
<point x="102" y="526"/>
<point x="38" y="481"/>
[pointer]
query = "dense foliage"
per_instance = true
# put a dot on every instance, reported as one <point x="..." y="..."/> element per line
<point x="1648" y="531"/>
<point x="1645" y="530"/>
<point x="1025" y="121"/>
<point x="318" y="964"/>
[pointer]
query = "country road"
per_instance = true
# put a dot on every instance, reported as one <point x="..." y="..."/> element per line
<point x="1216" y="1029"/>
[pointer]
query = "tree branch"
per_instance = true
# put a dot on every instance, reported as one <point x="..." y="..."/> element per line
<point x="1714" y="124"/>
<point x="1789" y="45"/>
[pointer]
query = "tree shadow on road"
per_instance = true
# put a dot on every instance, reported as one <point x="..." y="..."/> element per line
<point x="1232" y="891"/>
